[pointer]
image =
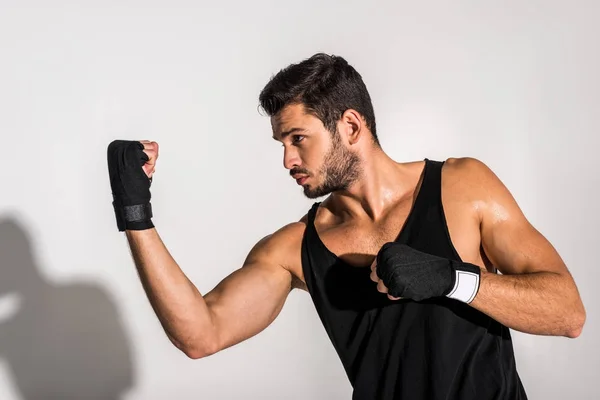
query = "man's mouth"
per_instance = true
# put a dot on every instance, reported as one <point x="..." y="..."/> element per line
<point x="300" y="179"/>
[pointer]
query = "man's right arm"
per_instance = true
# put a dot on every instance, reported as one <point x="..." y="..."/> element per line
<point x="240" y="306"/>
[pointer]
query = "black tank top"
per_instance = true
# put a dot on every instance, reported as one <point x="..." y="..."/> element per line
<point x="434" y="349"/>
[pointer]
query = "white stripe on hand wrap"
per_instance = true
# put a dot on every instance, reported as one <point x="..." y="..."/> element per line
<point x="465" y="287"/>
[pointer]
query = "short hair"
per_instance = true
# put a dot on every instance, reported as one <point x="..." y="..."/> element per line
<point x="326" y="85"/>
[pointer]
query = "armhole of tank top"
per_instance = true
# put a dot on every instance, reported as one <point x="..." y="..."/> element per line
<point x="445" y="222"/>
<point x="440" y="168"/>
<point x="310" y="235"/>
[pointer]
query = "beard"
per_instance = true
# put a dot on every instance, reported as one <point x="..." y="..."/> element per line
<point x="341" y="168"/>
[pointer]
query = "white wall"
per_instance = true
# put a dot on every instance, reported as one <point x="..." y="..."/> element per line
<point x="515" y="84"/>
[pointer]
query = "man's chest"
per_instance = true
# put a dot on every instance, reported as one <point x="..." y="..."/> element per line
<point x="358" y="242"/>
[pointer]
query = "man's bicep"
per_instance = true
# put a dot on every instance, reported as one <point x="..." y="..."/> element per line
<point x="509" y="240"/>
<point x="516" y="247"/>
<point x="249" y="299"/>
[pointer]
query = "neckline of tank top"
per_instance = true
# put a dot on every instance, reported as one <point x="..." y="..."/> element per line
<point x="418" y="199"/>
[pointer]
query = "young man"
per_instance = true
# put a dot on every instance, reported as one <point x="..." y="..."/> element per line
<point x="400" y="259"/>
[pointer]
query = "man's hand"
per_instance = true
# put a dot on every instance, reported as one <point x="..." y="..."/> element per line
<point x="131" y="165"/>
<point x="403" y="272"/>
<point x="151" y="151"/>
<point x="381" y="287"/>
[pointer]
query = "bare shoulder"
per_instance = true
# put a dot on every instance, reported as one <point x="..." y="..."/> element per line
<point x="475" y="180"/>
<point x="469" y="170"/>
<point x="281" y="249"/>
<point x="281" y="243"/>
<point x="476" y="204"/>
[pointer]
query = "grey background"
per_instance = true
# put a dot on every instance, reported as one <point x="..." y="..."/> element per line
<point x="512" y="83"/>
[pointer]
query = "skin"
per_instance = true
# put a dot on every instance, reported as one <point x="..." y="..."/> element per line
<point x="535" y="294"/>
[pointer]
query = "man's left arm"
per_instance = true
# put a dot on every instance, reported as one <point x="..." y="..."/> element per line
<point x="536" y="293"/>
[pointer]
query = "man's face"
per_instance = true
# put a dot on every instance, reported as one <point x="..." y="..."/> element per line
<point x="319" y="160"/>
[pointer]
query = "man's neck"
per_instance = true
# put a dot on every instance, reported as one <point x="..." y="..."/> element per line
<point x="381" y="184"/>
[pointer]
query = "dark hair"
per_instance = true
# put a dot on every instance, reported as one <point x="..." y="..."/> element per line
<point x="326" y="85"/>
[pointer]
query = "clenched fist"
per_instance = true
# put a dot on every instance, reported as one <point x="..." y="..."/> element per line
<point x="401" y="271"/>
<point x="131" y="165"/>
<point x="151" y="151"/>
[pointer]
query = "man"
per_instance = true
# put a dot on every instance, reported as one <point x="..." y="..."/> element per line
<point x="400" y="259"/>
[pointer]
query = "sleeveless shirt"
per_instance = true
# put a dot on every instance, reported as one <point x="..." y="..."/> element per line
<point x="435" y="349"/>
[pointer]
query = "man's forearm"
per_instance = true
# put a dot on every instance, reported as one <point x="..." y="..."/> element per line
<point x="177" y="303"/>
<point x="542" y="303"/>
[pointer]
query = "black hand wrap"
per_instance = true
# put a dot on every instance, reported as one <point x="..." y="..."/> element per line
<point x="416" y="275"/>
<point x="130" y="185"/>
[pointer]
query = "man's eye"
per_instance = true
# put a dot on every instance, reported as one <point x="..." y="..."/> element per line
<point x="297" y="138"/>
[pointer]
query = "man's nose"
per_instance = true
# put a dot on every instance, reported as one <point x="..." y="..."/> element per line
<point x="290" y="158"/>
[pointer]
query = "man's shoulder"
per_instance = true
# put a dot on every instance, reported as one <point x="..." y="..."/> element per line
<point x="282" y="249"/>
<point x="462" y="166"/>
<point x="468" y="170"/>
<point x="465" y="164"/>
<point x="291" y="231"/>
<point x="473" y="181"/>
<point x="283" y="242"/>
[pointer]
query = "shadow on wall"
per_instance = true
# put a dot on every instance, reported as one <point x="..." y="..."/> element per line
<point x="65" y="341"/>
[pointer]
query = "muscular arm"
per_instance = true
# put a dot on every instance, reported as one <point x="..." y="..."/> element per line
<point x="240" y="306"/>
<point x="536" y="293"/>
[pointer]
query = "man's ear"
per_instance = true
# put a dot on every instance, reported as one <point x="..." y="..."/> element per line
<point x="351" y="126"/>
